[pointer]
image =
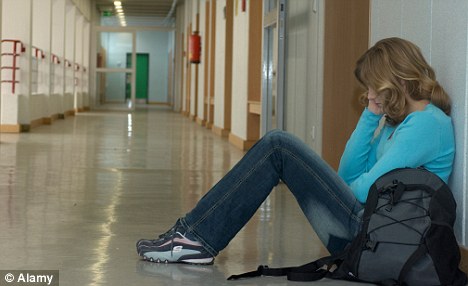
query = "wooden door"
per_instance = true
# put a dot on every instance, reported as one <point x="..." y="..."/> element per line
<point x="346" y="38"/>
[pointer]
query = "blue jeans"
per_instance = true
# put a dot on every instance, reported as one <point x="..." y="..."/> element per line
<point x="318" y="189"/>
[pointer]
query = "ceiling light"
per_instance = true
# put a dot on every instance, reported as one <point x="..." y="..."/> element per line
<point x="120" y="13"/>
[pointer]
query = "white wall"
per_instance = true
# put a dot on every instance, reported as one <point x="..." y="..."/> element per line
<point x="179" y="59"/>
<point x="202" y="72"/>
<point x="58" y="45"/>
<point x="220" y="64"/>
<point x="84" y="6"/>
<point x="17" y="28"/>
<point x="43" y="28"/>
<point x="239" y="72"/>
<point x="41" y="24"/>
<point x="192" y="6"/>
<point x="70" y="22"/>
<point x="15" y="108"/>
<point x="41" y="35"/>
<point x="439" y="28"/>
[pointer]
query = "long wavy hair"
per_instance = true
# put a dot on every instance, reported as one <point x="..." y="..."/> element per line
<point x="393" y="67"/>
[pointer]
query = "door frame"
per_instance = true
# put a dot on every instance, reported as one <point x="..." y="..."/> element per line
<point x="131" y="71"/>
<point x="273" y="17"/>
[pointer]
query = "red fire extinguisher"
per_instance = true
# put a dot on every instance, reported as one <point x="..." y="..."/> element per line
<point x="194" y="48"/>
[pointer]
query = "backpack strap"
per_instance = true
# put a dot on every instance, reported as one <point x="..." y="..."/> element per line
<point x="262" y="270"/>
<point x="312" y="271"/>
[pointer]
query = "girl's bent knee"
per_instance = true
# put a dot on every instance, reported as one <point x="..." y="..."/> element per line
<point x="278" y="136"/>
<point x="275" y="134"/>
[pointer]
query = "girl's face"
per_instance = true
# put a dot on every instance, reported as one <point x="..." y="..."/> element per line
<point x="375" y="101"/>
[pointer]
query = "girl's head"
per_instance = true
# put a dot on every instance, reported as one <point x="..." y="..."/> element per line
<point x="395" y="69"/>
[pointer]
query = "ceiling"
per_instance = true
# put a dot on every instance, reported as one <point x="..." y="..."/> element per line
<point x="140" y="12"/>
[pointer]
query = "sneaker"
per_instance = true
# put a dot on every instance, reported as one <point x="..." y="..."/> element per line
<point x="174" y="247"/>
<point x="164" y="235"/>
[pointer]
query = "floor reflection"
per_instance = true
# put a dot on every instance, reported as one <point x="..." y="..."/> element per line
<point x="76" y="195"/>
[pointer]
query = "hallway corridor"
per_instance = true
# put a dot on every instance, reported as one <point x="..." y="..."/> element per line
<point x="76" y="196"/>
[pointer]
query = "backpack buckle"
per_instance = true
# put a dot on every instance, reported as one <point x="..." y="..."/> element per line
<point x="395" y="191"/>
<point x="371" y="245"/>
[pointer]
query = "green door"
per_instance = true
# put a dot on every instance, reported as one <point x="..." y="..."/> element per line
<point x="142" y="72"/>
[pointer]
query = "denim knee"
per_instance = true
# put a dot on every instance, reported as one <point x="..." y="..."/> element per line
<point x="275" y="135"/>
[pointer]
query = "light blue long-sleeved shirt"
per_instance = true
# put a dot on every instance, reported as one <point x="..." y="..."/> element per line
<point x="425" y="138"/>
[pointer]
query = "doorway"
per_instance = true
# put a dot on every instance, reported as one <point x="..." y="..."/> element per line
<point x="111" y="72"/>
<point x="141" y="80"/>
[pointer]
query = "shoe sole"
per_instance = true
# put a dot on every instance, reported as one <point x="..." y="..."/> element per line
<point x="158" y="257"/>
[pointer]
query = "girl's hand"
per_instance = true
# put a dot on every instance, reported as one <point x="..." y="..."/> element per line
<point x="375" y="107"/>
<point x="375" y="104"/>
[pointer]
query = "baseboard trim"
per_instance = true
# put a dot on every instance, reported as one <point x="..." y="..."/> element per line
<point x="69" y="113"/>
<point x="36" y="123"/>
<point x="55" y="116"/>
<point x="47" y="120"/>
<point x="220" y="131"/>
<point x="10" y="128"/>
<point x="200" y="121"/>
<point x="241" y="143"/>
<point x="159" y="103"/>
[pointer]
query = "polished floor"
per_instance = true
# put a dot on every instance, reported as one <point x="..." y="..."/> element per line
<point x="76" y="195"/>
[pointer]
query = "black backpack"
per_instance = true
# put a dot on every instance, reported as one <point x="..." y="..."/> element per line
<point x="406" y="237"/>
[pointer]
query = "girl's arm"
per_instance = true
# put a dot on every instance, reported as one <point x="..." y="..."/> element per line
<point x="360" y="152"/>
<point x="416" y="141"/>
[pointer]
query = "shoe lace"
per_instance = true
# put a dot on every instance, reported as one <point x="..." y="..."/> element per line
<point x="170" y="234"/>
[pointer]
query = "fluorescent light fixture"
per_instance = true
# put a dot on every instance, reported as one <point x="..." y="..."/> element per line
<point x="120" y="13"/>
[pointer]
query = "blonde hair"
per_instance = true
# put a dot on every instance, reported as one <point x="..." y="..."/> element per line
<point x="393" y="67"/>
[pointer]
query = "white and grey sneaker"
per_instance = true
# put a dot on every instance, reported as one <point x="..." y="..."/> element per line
<point x="174" y="247"/>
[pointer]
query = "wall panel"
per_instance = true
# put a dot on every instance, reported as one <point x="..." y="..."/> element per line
<point x="220" y="64"/>
<point x="440" y="28"/>
<point x="449" y="59"/>
<point x="346" y="38"/>
<point x="239" y="73"/>
<point x="304" y="70"/>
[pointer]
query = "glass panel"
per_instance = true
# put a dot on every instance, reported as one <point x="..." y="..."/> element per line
<point x="269" y="80"/>
<point x="273" y="67"/>
<point x="114" y="48"/>
<point x="111" y="87"/>
<point x="270" y="5"/>
<point x="113" y="52"/>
